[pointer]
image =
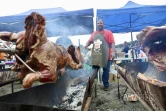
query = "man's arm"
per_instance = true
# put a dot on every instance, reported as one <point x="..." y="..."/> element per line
<point x="112" y="49"/>
<point x="87" y="44"/>
<point x="111" y="44"/>
<point x="90" y="40"/>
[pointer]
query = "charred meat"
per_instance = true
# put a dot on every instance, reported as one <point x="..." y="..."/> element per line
<point x="153" y="41"/>
<point x="43" y="56"/>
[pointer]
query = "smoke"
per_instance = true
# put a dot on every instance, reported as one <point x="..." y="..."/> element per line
<point x="64" y="41"/>
<point x="80" y="73"/>
<point x="69" y="26"/>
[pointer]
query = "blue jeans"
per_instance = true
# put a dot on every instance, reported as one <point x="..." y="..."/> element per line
<point x="106" y="73"/>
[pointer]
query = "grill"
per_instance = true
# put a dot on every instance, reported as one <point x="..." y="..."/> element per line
<point x="50" y="96"/>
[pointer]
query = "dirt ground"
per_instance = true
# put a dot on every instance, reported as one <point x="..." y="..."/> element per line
<point x="109" y="101"/>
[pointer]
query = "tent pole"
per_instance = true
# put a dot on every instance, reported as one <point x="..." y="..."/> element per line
<point x="94" y="19"/>
<point x="79" y="42"/>
<point x="131" y="38"/>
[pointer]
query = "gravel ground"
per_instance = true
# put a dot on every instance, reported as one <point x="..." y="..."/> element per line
<point x="109" y="101"/>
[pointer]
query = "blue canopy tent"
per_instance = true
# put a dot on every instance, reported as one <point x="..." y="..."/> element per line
<point x="132" y="17"/>
<point x="59" y="22"/>
<point x="44" y="11"/>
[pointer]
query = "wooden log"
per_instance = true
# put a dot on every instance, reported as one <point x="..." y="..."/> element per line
<point x="87" y="105"/>
<point x="7" y="75"/>
<point x="151" y="80"/>
<point x="153" y="92"/>
<point x="89" y="99"/>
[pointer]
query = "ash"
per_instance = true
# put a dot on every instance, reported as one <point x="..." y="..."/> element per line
<point x="73" y="99"/>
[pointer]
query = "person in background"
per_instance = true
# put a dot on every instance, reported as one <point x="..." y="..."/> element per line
<point x="2" y="55"/>
<point x="2" y="59"/>
<point x="142" y="55"/>
<point x="137" y="49"/>
<point x="103" y="51"/>
<point x="125" y="49"/>
<point x="8" y="57"/>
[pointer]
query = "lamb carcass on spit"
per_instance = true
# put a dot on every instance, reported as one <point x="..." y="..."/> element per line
<point x="153" y="41"/>
<point x="46" y="58"/>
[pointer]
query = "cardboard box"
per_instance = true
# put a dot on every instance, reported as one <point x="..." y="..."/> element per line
<point x="120" y="55"/>
<point x="113" y="77"/>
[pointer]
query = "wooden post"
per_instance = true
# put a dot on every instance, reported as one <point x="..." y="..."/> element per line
<point x="87" y="104"/>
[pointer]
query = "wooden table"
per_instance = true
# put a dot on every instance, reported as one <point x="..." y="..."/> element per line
<point x="120" y="59"/>
<point x="130" y="59"/>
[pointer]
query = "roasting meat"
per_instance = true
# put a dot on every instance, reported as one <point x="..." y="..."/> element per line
<point x="47" y="59"/>
<point x="153" y="41"/>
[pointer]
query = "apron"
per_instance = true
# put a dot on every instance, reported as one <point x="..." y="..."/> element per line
<point x="100" y="51"/>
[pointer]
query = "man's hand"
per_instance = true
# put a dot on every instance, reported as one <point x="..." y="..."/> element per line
<point x="113" y="55"/>
<point x="85" y="47"/>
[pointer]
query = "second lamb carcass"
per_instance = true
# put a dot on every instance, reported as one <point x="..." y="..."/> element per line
<point x="43" y="56"/>
<point x="153" y="41"/>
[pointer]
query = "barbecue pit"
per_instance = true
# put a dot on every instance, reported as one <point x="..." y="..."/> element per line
<point x="61" y="96"/>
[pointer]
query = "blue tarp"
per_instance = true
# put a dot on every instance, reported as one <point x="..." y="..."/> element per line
<point x="132" y="16"/>
<point x="58" y="21"/>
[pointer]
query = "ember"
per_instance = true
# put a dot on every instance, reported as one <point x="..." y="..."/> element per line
<point x="73" y="99"/>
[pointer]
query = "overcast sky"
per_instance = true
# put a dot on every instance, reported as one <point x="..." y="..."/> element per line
<point x="11" y="7"/>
